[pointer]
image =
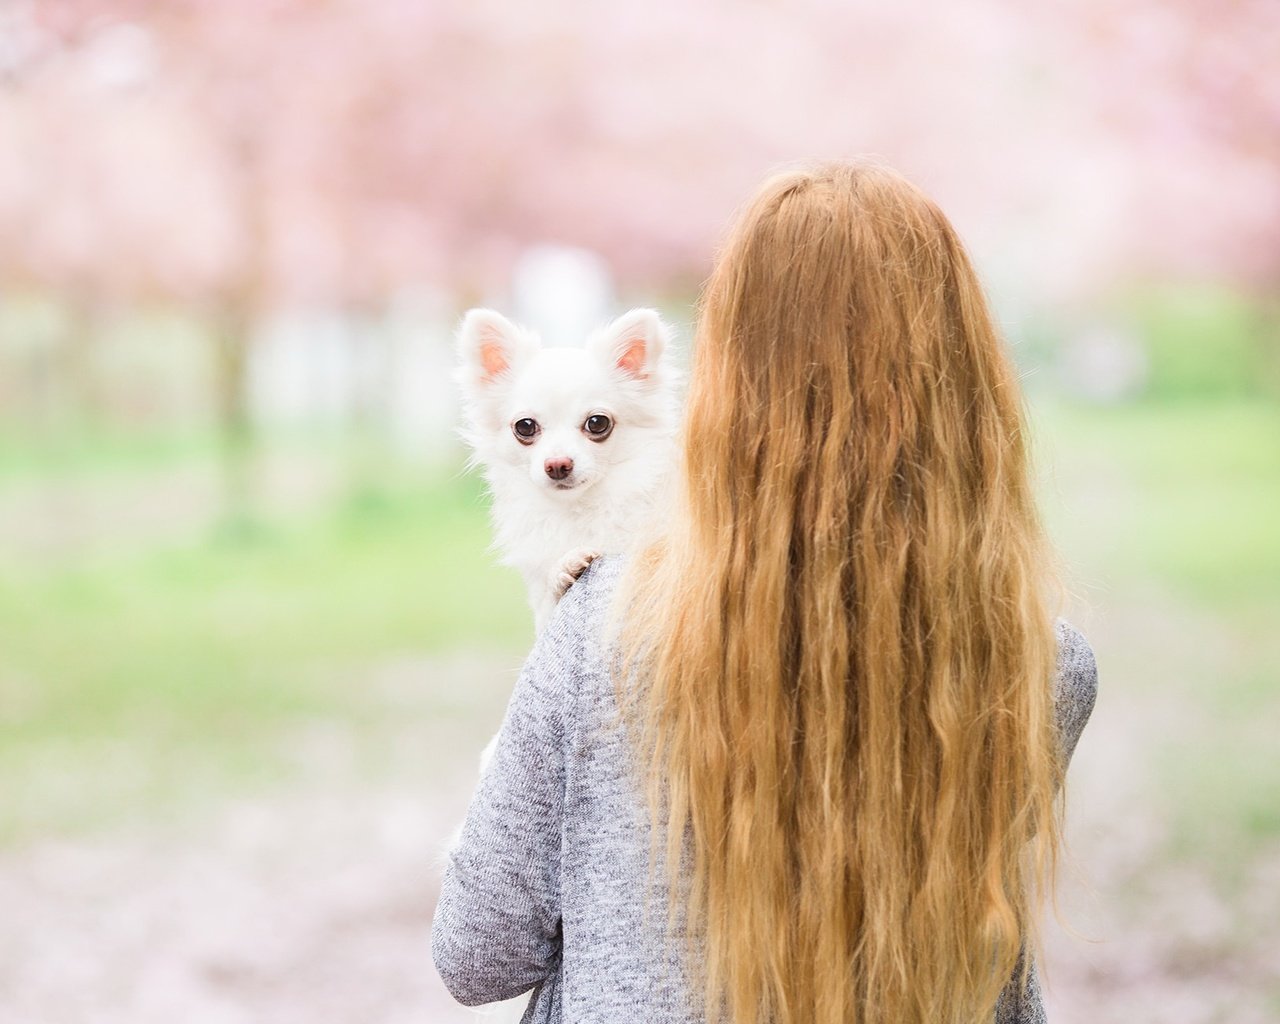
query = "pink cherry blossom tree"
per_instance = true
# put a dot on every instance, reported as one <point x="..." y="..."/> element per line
<point x="237" y="157"/>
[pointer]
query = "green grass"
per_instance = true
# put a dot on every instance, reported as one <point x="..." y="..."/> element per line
<point x="1203" y="341"/>
<point x="89" y="450"/>
<point x="195" y="658"/>
<point x="162" y="676"/>
<point x="224" y="626"/>
<point x="1185" y="497"/>
<point x="1169" y="517"/>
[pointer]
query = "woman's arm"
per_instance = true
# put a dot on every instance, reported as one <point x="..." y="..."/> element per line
<point x="1075" y="688"/>
<point x="496" y="931"/>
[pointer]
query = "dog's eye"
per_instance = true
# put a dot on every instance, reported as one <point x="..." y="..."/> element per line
<point x="525" y="430"/>
<point x="598" y="427"/>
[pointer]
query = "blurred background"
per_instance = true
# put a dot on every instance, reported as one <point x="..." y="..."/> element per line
<point x="251" y="637"/>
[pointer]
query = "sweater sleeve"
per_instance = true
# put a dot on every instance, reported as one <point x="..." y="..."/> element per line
<point x="496" y="931"/>
<point x="1075" y="689"/>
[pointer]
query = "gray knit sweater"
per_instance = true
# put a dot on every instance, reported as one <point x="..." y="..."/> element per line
<point x="548" y="889"/>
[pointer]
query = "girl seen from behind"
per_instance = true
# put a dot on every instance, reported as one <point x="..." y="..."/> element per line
<point x="813" y="775"/>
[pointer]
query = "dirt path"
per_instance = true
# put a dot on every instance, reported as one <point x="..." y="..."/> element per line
<point x="314" y="906"/>
<point x="307" y="905"/>
<point x="1160" y="935"/>
<point x="1156" y="940"/>
<point x="306" y="909"/>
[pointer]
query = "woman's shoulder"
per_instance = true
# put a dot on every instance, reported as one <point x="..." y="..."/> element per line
<point x="575" y="636"/>
<point x="585" y="606"/>
<point x="602" y="575"/>
<point x="1076" y="683"/>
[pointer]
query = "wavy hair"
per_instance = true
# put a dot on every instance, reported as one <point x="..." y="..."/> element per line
<point x="846" y="655"/>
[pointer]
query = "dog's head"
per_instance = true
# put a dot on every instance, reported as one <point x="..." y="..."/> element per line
<point x="564" y="417"/>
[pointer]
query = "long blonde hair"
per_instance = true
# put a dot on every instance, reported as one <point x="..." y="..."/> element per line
<point x="846" y="657"/>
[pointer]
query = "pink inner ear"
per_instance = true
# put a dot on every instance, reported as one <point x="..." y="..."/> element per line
<point x="493" y="357"/>
<point x="632" y="358"/>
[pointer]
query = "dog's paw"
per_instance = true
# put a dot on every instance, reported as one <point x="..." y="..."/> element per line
<point x="571" y="569"/>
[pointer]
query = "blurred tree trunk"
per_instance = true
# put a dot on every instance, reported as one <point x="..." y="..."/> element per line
<point x="234" y="329"/>
<point x="366" y="462"/>
<point x="1271" y="339"/>
<point x="83" y="406"/>
<point x="236" y="323"/>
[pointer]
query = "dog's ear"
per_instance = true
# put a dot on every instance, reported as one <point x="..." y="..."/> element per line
<point x="489" y="345"/>
<point x="633" y="343"/>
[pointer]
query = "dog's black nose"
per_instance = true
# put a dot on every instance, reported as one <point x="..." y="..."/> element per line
<point x="558" y="469"/>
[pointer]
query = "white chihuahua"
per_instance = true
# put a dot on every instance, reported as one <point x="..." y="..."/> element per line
<point x="575" y="443"/>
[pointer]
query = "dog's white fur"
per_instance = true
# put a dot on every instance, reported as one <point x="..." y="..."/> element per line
<point x="550" y="529"/>
<point x="551" y="533"/>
